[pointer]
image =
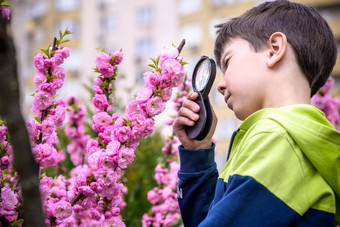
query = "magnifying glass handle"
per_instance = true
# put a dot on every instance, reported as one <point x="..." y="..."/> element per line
<point x="202" y="126"/>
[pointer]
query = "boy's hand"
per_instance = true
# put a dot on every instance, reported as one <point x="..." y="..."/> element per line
<point x="187" y="116"/>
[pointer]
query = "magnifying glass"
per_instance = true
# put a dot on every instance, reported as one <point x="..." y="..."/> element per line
<point x="202" y="80"/>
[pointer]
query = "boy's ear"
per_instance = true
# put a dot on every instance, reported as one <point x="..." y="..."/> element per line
<point x="277" y="48"/>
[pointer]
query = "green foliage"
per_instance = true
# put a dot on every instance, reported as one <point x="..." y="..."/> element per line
<point x="17" y="223"/>
<point x="57" y="43"/>
<point x="140" y="179"/>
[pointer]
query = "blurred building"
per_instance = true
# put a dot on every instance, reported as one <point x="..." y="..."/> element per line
<point x="141" y="29"/>
<point x="197" y="19"/>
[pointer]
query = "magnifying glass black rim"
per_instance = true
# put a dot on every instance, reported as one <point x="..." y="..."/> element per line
<point x="205" y="91"/>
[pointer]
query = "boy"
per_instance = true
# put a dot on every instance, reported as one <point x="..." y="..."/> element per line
<point x="283" y="166"/>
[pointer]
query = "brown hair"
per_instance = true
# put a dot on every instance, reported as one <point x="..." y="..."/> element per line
<point x="307" y="32"/>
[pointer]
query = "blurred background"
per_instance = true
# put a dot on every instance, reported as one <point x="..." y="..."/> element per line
<point x="141" y="28"/>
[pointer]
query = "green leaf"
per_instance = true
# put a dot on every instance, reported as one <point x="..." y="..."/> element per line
<point x="100" y="49"/>
<point x="53" y="77"/>
<point x="45" y="51"/>
<point x="38" y="119"/>
<point x="96" y="70"/>
<point x="152" y="66"/>
<point x="154" y="61"/>
<point x="53" y="195"/>
<point x="183" y="62"/>
<point x="89" y="178"/>
<point x="67" y="32"/>
<point x="101" y="143"/>
<point x="104" y="84"/>
<point x="65" y="41"/>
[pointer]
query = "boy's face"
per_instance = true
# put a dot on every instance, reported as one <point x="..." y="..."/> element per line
<point x="244" y="77"/>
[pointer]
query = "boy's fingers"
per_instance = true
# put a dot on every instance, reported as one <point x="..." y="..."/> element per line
<point x="191" y="105"/>
<point x="192" y="95"/>
<point x="187" y="113"/>
<point x="183" y="121"/>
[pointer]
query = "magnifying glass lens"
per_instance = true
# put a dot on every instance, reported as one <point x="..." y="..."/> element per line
<point x="202" y="75"/>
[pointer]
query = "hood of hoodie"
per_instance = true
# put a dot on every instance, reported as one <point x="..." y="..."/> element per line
<point x="316" y="137"/>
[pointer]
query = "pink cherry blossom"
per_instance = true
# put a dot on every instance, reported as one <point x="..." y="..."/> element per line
<point x="100" y="102"/>
<point x="126" y="156"/>
<point x="134" y="108"/>
<point x="39" y="79"/>
<point x="42" y="100"/>
<point x="5" y="12"/>
<point x="65" y="51"/>
<point x="118" y="55"/>
<point x="152" y="79"/>
<point x="57" y="59"/>
<point x="9" y="201"/>
<point x="102" y="58"/>
<point x="62" y="209"/>
<point x="123" y="134"/>
<point x="102" y="119"/>
<point x="155" y="106"/>
<point x="106" y="69"/>
<point x="39" y="63"/>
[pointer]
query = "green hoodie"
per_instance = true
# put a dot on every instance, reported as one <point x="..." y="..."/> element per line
<point x="315" y="142"/>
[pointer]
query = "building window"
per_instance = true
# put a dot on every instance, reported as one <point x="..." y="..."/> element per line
<point x="66" y="5"/>
<point x="110" y="23"/>
<point x="110" y="1"/>
<point x="38" y="9"/>
<point x="40" y="35"/>
<point x="145" y="47"/>
<point x="192" y="61"/>
<point x="71" y="24"/>
<point x="231" y="2"/>
<point x="72" y="63"/>
<point x="189" y="6"/>
<point x="214" y="22"/>
<point x="72" y="86"/>
<point x="145" y="16"/>
<point x="192" y="33"/>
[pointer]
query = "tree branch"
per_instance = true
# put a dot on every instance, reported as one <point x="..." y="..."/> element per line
<point x="24" y="162"/>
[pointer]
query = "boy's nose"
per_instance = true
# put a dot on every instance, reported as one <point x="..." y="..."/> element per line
<point x="221" y="86"/>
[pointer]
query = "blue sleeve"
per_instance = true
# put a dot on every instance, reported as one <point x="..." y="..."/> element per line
<point x="248" y="203"/>
<point x="196" y="186"/>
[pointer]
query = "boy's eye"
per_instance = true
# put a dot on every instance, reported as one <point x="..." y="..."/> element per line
<point x="226" y="63"/>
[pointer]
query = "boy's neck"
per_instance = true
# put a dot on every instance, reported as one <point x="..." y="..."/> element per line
<point x="293" y="89"/>
<point x="286" y="83"/>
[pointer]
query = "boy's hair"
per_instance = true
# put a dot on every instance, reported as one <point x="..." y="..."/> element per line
<point x="307" y="32"/>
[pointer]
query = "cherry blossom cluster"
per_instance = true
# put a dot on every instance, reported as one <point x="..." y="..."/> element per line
<point x="75" y="130"/>
<point x="97" y="185"/>
<point x="10" y="193"/>
<point x="5" y="11"/>
<point x="92" y="193"/>
<point x="165" y="210"/>
<point x="50" y="113"/>
<point x="324" y="101"/>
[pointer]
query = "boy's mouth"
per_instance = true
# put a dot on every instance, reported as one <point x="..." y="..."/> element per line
<point x="226" y="98"/>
